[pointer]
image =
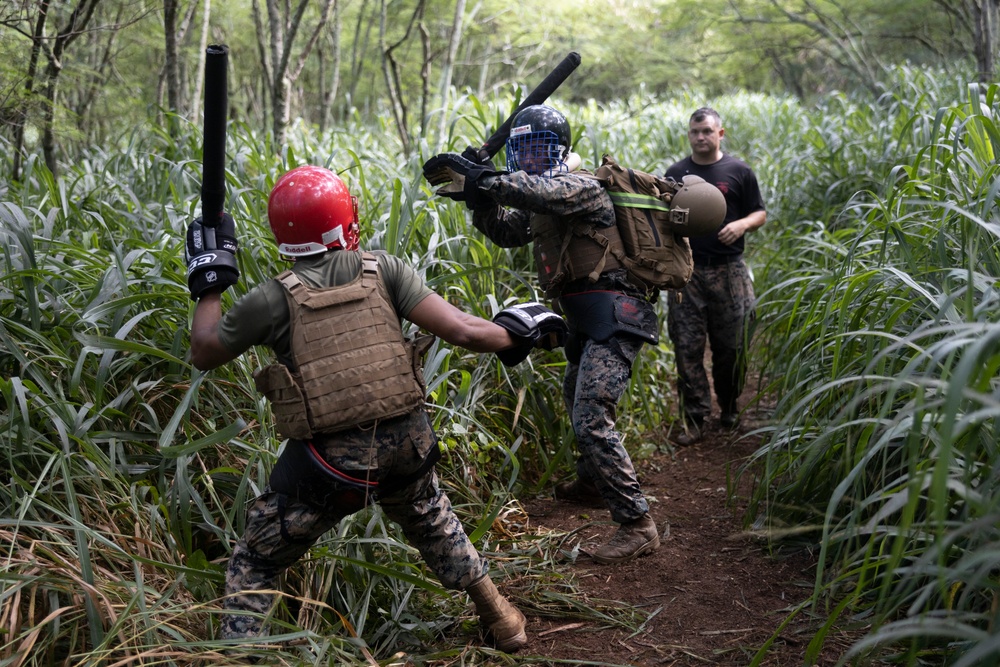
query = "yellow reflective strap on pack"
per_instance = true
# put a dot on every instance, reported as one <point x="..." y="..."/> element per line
<point x="636" y="200"/>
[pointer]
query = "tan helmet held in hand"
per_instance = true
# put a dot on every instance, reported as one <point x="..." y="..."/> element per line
<point x="697" y="208"/>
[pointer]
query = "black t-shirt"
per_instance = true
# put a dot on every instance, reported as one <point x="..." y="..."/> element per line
<point x="738" y="183"/>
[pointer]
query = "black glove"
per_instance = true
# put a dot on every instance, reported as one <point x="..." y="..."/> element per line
<point x="210" y="254"/>
<point x="531" y="325"/>
<point x="458" y="178"/>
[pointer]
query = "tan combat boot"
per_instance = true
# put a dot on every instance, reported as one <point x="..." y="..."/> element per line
<point x="503" y="622"/>
<point x="632" y="540"/>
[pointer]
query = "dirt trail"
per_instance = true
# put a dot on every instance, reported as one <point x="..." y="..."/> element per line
<point x="717" y="593"/>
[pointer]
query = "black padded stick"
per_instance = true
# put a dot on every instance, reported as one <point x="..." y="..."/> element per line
<point x="213" y="178"/>
<point x="536" y="96"/>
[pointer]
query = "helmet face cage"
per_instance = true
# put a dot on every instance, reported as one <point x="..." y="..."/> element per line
<point x="535" y="153"/>
<point x="539" y="141"/>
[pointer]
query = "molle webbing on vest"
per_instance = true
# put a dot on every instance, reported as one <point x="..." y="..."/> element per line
<point x="354" y="365"/>
<point x="567" y="252"/>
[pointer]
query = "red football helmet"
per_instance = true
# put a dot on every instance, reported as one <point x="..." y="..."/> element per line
<point x="311" y="211"/>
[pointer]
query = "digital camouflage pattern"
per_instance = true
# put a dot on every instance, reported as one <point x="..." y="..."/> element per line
<point x="567" y="196"/>
<point x="591" y="390"/>
<point x="717" y="304"/>
<point x="281" y="528"/>
<point x="596" y="380"/>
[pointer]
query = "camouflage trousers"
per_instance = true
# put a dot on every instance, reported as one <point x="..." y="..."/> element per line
<point x="591" y="389"/>
<point x="280" y="528"/>
<point x="716" y="305"/>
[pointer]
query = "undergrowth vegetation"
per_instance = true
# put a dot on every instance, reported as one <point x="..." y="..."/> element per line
<point x="878" y="337"/>
<point x="880" y="332"/>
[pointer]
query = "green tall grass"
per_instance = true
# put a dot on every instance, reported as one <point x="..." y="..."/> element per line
<point x="877" y="340"/>
<point x="128" y="471"/>
<point x="881" y="333"/>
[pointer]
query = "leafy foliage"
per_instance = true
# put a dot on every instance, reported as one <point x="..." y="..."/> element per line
<point x="881" y="337"/>
<point x="877" y="335"/>
<point x="129" y="470"/>
<point x="114" y="71"/>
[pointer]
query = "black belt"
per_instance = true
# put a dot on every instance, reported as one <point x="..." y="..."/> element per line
<point x="717" y="260"/>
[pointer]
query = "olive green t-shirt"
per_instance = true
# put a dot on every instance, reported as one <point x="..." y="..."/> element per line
<point x="261" y="316"/>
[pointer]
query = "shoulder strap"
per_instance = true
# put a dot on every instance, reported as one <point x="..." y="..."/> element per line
<point x="369" y="267"/>
<point x="293" y="285"/>
<point x="366" y="280"/>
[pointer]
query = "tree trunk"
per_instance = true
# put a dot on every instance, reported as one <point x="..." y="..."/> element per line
<point x="170" y="65"/>
<point x="484" y="71"/>
<point x="196" y="100"/>
<point x="330" y="94"/>
<point x="425" y="76"/>
<point x="994" y="13"/>
<point x="48" y="115"/>
<point x="360" y="49"/>
<point x="21" y="117"/>
<point x="103" y="64"/>
<point x="985" y="14"/>
<point x="278" y="83"/>
<point x="283" y="31"/>
<point x="74" y="27"/>
<point x="395" y="101"/>
<point x="265" y="62"/>
<point x="390" y="70"/>
<point x="448" y="66"/>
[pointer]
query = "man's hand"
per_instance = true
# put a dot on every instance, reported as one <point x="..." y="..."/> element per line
<point x="458" y="177"/>
<point x="732" y="232"/>
<point x="736" y="229"/>
<point x="531" y="325"/>
<point x="210" y="254"/>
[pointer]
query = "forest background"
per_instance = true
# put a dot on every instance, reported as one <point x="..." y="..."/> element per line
<point x="872" y="126"/>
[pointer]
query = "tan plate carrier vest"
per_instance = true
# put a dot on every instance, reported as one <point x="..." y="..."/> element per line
<point x="355" y="366"/>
